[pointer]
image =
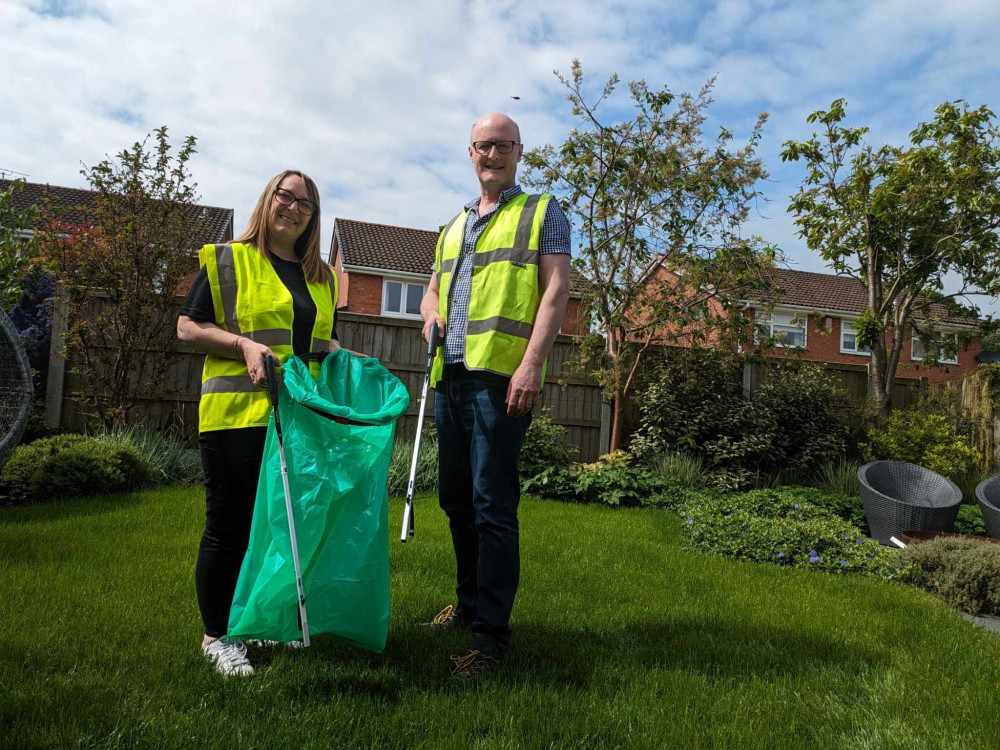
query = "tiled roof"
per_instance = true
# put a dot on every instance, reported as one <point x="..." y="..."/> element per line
<point x="362" y="243"/>
<point x="830" y="292"/>
<point x="208" y="223"/>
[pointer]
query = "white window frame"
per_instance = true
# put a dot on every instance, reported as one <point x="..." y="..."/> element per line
<point x="404" y="285"/>
<point x="764" y="319"/>
<point x="848" y="323"/>
<point x="913" y="354"/>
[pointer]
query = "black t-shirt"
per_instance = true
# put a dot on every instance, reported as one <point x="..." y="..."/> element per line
<point x="198" y="304"/>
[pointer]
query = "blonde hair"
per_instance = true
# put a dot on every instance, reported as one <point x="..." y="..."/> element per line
<point x="306" y="246"/>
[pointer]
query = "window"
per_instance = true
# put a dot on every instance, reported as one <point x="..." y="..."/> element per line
<point x="849" y="339"/>
<point x="918" y="351"/>
<point x="402" y="298"/>
<point x="787" y="329"/>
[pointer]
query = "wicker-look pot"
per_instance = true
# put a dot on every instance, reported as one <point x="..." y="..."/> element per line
<point x="902" y="497"/>
<point x="988" y="495"/>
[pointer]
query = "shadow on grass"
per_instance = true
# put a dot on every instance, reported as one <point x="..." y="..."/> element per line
<point x="417" y="657"/>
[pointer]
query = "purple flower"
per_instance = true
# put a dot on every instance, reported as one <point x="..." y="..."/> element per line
<point x="841" y="562"/>
<point x="781" y="554"/>
<point x="795" y="505"/>
<point x="690" y="521"/>
<point x="857" y="541"/>
<point x="847" y="536"/>
<point x="890" y="577"/>
<point x="813" y="557"/>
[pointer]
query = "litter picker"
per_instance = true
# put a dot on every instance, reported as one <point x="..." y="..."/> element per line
<point x="408" y="510"/>
<point x="272" y="386"/>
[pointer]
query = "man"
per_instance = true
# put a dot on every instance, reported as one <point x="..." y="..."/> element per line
<point x="498" y="295"/>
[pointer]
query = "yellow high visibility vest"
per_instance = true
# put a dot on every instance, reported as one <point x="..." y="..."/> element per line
<point x="250" y="300"/>
<point x="505" y="294"/>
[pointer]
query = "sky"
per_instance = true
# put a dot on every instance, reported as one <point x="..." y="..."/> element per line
<point x="375" y="100"/>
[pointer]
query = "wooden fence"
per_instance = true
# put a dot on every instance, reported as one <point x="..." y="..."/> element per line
<point x="395" y="342"/>
<point x="852" y="379"/>
<point x="976" y="413"/>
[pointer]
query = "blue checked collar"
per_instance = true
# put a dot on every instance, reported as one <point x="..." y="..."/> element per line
<point x="505" y="197"/>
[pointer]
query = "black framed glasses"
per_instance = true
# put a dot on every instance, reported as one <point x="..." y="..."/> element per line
<point x="303" y="206"/>
<point x="503" y="147"/>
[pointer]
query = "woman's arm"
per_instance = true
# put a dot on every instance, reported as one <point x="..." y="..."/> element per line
<point x="208" y="338"/>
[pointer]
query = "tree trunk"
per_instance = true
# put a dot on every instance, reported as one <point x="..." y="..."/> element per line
<point x="617" y="424"/>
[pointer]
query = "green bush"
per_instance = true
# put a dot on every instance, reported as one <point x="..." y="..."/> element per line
<point x="923" y="439"/>
<point x="970" y="521"/>
<point x="172" y="461"/>
<point x="963" y="572"/>
<point x="67" y="465"/>
<point x="426" y="479"/>
<point x="611" y="483"/>
<point x="544" y="446"/>
<point x="792" y="424"/>
<point x="784" y="528"/>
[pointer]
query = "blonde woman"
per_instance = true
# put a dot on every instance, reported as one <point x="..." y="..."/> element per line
<point x="267" y="293"/>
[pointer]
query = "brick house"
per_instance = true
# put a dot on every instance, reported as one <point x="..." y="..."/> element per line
<point x="813" y="314"/>
<point x="384" y="270"/>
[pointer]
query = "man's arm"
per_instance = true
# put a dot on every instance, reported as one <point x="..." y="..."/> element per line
<point x="429" y="311"/>
<point x="553" y="282"/>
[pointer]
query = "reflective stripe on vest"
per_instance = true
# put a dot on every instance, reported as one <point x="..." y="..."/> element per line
<point x="250" y="300"/>
<point x="504" y="296"/>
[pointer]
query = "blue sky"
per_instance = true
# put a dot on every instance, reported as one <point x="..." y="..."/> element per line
<point x="375" y="99"/>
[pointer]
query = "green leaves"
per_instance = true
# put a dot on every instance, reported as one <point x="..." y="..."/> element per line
<point x="17" y="252"/>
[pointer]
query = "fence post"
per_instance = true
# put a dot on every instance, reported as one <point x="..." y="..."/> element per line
<point x="57" y="365"/>
<point x="604" y="439"/>
<point x="747" y="381"/>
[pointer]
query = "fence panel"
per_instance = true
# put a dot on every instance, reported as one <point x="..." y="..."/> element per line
<point x="397" y="343"/>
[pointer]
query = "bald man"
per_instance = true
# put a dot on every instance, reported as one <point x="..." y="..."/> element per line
<point x="497" y="295"/>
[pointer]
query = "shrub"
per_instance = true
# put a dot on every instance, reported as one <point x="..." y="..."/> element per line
<point x="789" y="427"/>
<point x="67" y="465"/>
<point x="963" y="572"/>
<point x="170" y="459"/>
<point x="426" y="479"/>
<point x="544" y="446"/>
<point x="611" y="481"/>
<point x="970" y="521"/>
<point x="684" y="468"/>
<point x="782" y="528"/>
<point x="923" y="439"/>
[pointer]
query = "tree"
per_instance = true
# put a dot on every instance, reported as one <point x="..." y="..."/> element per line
<point x="648" y="193"/>
<point x="118" y="275"/>
<point x="901" y="219"/>
<point x="16" y="250"/>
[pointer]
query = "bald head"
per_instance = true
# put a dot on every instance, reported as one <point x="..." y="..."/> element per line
<point x="495" y="122"/>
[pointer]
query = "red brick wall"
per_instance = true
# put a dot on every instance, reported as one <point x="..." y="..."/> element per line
<point x="365" y="294"/>
<point x="825" y="347"/>
<point x="574" y="323"/>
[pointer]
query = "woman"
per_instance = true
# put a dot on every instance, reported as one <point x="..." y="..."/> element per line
<point x="269" y="293"/>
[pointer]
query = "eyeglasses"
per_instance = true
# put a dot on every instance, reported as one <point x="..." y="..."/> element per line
<point x="286" y="198"/>
<point x="503" y="147"/>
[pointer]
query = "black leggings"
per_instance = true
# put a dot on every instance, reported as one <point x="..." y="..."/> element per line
<point x="231" y="460"/>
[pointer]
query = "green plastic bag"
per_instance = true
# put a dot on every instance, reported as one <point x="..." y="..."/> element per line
<point x="337" y="475"/>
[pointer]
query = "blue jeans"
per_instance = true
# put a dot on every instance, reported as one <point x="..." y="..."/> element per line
<point x="479" y="490"/>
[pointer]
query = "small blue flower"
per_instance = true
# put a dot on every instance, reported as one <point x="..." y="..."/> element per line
<point x="690" y="521"/>
<point x="813" y="557"/>
<point x="847" y="536"/>
<point x="781" y="554"/>
<point x="796" y="506"/>
<point x="841" y="562"/>
<point x="857" y="541"/>
<point x="890" y="576"/>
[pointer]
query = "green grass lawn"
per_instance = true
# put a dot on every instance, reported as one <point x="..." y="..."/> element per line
<point x="621" y="639"/>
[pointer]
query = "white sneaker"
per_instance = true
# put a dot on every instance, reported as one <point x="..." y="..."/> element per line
<point x="258" y="643"/>
<point x="230" y="658"/>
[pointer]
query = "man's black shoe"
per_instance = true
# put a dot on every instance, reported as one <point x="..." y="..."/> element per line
<point x="472" y="665"/>
<point x="450" y="618"/>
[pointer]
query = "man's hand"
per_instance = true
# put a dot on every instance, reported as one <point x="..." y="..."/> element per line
<point x="254" y="355"/>
<point x="522" y="393"/>
<point x="430" y="320"/>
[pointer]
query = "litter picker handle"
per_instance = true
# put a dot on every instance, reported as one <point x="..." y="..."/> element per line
<point x="272" y="379"/>
<point x="407" y="531"/>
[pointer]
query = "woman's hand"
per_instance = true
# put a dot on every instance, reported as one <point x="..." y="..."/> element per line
<point x="254" y="355"/>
